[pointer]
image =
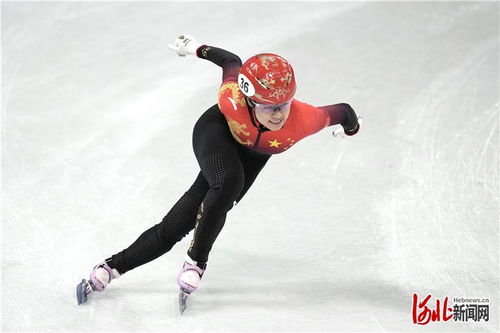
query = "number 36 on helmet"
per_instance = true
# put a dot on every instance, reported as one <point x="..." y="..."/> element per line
<point x="267" y="78"/>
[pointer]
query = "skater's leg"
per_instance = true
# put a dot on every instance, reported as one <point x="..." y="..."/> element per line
<point x="220" y="158"/>
<point x="227" y="174"/>
<point x="160" y="238"/>
<point x="151" y="244"/>
<point x="252" y="163"/>
<point x="217" y="153"/>
<point x="222" y="169"/>
<point x="224" y="173"/>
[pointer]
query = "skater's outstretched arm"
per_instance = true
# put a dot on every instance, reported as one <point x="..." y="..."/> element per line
<point x="230" y="62"/>
<point x="342" y="114"/>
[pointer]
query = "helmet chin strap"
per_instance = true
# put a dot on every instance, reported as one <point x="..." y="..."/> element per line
<point x="250" y="102"/>
<point x="253" y="116"/>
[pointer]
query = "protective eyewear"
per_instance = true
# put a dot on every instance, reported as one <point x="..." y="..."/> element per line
<point x="270" y="108"/>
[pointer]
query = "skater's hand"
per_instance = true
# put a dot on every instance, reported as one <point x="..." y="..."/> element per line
<point x="185" y="45"/>
<point x="340" y="132"/>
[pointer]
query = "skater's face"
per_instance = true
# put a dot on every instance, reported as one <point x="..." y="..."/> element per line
<point x="272" y="116"/>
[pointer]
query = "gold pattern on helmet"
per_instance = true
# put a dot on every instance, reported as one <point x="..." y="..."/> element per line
<point x="268" y="84"/>
<point x="267" y="78"/>
<point x="261" y="98"/>
<point x="287" y="78"/>
<point x="267" y="60"/>
<point x="280" y="92"/>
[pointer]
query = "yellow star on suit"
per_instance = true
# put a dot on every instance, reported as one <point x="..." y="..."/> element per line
<point x="274" y="143"/>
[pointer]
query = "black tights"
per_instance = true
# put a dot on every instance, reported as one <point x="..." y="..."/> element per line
<point x="227" y="171"/>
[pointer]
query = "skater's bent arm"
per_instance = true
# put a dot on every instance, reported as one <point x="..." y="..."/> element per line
<point x="229" y="62"/>
<point x="342" y="114"/>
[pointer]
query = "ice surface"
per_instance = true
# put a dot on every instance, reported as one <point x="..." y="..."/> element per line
<point x="335" y="235"/>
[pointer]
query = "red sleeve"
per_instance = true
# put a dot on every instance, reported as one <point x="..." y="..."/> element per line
<point x="310" y="119"/>
<point x="336" y="113"/>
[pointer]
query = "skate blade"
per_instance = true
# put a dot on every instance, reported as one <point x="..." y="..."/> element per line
<point x="81" y="292"/>
<point x="183" y="301"/>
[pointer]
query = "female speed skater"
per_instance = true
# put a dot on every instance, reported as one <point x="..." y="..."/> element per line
<point x="255" y="117"/>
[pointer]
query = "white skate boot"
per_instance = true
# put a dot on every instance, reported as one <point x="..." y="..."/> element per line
<point x="100" y="277"/>
<point x="188" y="280"/>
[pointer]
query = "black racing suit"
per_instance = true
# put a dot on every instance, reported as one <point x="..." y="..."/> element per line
<point x="228" y="169"/>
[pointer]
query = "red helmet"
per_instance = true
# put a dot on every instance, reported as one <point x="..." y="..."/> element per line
<point x="267" y="78"/>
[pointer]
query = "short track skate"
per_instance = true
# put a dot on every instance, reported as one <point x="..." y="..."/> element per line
<point x="183" y="295"/>
<point x="82" y="290"/>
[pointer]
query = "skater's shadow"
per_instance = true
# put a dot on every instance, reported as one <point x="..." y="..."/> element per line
<point x="270" y="285"/>
<point x="306" y="292"/>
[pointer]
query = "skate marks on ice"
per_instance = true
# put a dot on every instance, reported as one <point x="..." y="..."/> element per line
<point x="442" y="216"/>
<point x="100" y="148"/>
<point x="451" y="157"/>
<point x="264" y="292"/>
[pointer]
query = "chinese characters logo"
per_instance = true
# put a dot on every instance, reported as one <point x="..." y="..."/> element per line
<point x="428" y="310"/>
